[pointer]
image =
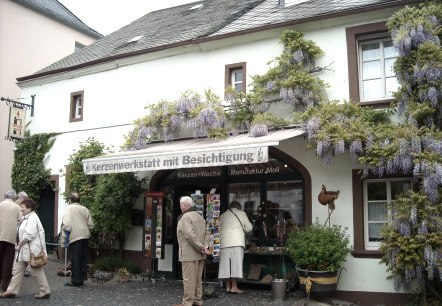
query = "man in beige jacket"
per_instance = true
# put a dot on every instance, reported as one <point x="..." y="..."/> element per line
<point x="193" y="240"/>
<point x="10" y="215"/>
<point x="77" y="221"/>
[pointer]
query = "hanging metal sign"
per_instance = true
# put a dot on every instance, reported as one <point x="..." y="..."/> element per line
<point x="17" y="123"/>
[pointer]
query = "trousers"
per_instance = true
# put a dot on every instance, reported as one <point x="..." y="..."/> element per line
<point x="192" y="282"/>
<point x="7" y="253"/>
<point x="18" y="273"/>
<point x="79" y="254"/>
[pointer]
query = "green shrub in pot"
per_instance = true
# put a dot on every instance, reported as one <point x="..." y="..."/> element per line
<point x="318" y="247"/>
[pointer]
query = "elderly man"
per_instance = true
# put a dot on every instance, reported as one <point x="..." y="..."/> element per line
<point x="193" y="240"/>
<point x="10" y="215"/>
<point x="77" y="221"/>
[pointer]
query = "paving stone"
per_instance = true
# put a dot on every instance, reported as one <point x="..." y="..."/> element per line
<point x="137" y="292"/>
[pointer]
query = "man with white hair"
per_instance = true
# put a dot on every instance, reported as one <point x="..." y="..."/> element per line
<point x="193" y="240"/>
<point x="10" y="215"/>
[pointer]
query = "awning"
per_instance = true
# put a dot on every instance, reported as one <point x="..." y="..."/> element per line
<point x="191" y="153"/>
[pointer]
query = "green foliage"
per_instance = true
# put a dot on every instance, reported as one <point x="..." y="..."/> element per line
<point x="113" y="264"/>
<point x="318" y="247"/>
<point x="109" y="197"/>
<point x="29" y="173"/>
<point x="114" y="197"/>
<point x="77" y="180"/>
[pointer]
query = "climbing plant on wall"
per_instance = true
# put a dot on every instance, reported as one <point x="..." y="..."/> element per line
<point x="29" y="172"/>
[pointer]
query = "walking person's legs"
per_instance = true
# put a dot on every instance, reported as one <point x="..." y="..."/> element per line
<point x="42" y="283"/>
<point x="17" y="278"/>
<point x="7" y="256"/>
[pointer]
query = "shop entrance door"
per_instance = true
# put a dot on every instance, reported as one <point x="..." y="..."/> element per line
<point x="211" y="268"/>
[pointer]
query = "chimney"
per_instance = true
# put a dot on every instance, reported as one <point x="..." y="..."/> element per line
<point x="281" y="3"/>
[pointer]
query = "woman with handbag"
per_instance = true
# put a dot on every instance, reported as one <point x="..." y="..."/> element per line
<point x="29" y="250"/>
<point x="234" y="225"/>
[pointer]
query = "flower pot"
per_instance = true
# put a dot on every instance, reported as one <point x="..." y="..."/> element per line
<point x="123" y="278"/>
<point x="317" y="282"/>
<point x="279" y="289"/>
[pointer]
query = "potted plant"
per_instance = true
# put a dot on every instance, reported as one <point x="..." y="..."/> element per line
<point x="318" y="252"/>
<point x="123" y="274"/>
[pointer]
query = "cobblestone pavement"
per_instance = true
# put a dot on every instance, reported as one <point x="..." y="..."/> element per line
<point x="138" y="292"/>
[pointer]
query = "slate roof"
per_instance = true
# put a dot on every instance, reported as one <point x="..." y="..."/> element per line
<point x="57" y="11"/>
<point x="269" y="14"/>
<point x="215" y="19"/>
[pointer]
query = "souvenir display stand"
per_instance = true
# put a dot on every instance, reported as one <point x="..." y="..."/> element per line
<point x="154" y="215"/>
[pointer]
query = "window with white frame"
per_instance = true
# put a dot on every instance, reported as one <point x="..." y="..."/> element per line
<point x="378" y="194"/>
<point x="371" y="55"/>
<point x="237" y="79"/>
<point x="235" y="76"/>
<point x="377" y="78"/>
<point x="76" y="106"/>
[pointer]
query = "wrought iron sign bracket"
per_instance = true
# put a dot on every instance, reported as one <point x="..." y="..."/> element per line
<point x="13" y="103"/>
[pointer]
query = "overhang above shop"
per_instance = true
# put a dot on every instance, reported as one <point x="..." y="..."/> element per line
<point x="191" y="153"/>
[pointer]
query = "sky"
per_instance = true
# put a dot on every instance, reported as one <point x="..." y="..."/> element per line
<point x="108" y="16"/>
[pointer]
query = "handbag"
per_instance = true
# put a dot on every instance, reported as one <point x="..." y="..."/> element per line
<point x="246" y="237"/>
<point x="37" y="261"/>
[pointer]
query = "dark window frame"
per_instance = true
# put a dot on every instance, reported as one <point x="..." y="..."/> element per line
<point x="353" y="34"/>
<point x="72" y="106"/>
<point x="228" y="74"/>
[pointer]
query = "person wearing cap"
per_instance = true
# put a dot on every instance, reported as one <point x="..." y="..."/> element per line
<point x="10" y="215"/>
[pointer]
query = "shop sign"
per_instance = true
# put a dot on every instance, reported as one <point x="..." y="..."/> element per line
<point x="17" y="123"/>
<point x="251" y="170"/>
<point x="176" y="160"/>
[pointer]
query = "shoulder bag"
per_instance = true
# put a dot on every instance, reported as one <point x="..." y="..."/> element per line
<point x="37" y="261"/>
<point x="246" y="237"/>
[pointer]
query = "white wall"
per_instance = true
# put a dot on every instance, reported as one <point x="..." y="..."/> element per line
<point x="117" y="97"/>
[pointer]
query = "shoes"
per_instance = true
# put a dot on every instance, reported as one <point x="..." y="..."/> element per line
<point x="236" y="292"/>
<point x="42" y="296"/>
<point x="7" y="295"/>
<point x="74" y="284"/>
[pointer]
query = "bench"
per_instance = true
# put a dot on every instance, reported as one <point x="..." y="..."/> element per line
<point x="52" y="245"/>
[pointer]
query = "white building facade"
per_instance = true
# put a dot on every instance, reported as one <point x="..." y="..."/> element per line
<point x="116" y="89"/>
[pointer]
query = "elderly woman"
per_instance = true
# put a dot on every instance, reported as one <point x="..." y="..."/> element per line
<point x="234" y="224"/>
<point x="30" y="238"/>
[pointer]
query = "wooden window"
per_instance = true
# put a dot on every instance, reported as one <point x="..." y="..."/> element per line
<point x="371" y="56"/>
<point x="370" y="197"/>
<point x="378" y="194"/>
<point x="235" y="76"/>
<point x="76" y="106"/>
